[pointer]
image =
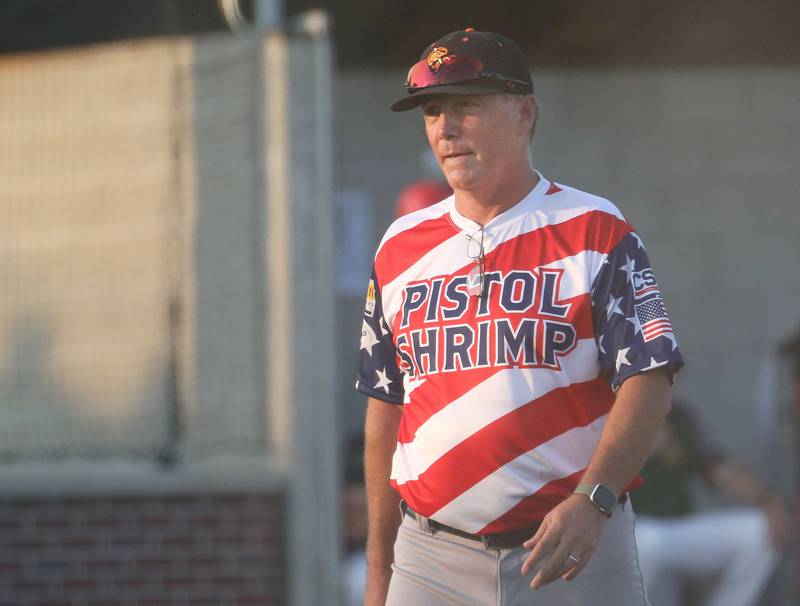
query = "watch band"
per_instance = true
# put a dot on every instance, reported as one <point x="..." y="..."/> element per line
<point x="601" y="496"/>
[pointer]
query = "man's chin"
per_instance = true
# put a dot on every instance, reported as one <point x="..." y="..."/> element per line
<point x="458" y="180"/>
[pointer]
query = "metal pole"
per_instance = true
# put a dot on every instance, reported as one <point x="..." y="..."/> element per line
<point x="268" y="13"/>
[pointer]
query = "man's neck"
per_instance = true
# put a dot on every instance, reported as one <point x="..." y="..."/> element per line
<point x="483" y="205"/>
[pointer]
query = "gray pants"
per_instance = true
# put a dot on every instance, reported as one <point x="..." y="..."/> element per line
<point x="445" y="570"/>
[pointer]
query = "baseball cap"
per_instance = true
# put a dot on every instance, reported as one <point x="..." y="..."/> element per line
<point x="467" y="62"/>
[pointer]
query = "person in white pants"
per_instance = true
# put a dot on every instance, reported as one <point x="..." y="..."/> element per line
<point x="735" y="550"/>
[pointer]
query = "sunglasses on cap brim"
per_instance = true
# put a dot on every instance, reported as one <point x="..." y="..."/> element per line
<point x="454" y="69"/>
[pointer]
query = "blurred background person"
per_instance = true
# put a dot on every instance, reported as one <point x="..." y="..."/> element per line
<point x="428" y="189"/>
<point x="415" y="196"/>
<point x="420" y="194"/>
<point x="354" y="511"/>
<point x="729" y="553"/>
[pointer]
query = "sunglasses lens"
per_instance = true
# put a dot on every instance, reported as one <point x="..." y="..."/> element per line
<point x="473" y="248"/>
<point x="451" y="69"/>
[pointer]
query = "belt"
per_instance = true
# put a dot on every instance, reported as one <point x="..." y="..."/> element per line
<point x="498" y="540"/>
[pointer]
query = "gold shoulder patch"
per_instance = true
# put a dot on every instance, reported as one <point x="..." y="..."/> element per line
<point x="369" y="308"/>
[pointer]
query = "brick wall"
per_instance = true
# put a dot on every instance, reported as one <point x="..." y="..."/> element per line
<point x="143" y="551"/>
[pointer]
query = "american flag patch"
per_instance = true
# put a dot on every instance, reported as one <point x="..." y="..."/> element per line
<point x="652" y="316"/>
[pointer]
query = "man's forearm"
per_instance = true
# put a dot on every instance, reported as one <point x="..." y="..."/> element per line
<point x="638" y="413"/>
<point x="383" y="515"/>
<point x="572" y="529"/>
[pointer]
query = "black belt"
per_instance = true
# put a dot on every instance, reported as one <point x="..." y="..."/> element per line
<point x="498" y="540"/>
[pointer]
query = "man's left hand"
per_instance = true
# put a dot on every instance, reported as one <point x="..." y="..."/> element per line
<point x="572" y="528"/>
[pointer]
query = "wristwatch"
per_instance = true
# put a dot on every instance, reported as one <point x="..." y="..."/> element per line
<point x="601" y="496"/>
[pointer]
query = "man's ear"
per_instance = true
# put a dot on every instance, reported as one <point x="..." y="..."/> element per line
<point x="530" y="113"/>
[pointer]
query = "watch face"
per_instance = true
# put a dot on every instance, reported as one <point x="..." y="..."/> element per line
<point x="604" y="498"/>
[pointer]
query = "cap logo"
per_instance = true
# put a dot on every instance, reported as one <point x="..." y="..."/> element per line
<point x="436" y="58"/>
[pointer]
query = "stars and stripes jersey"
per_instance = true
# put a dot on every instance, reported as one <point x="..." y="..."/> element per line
<point x="505" y="395"/>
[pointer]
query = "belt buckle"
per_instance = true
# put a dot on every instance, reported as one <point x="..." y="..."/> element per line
<point x="490" y="542"/>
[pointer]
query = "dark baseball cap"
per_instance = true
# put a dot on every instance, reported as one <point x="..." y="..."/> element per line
<point x="467" y="62"/>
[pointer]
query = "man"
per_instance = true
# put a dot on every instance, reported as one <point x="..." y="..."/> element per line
<point x="734" y="551"/>
<point x="500" y="327"/>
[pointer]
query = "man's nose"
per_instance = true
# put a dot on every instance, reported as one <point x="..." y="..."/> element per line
<point x="448" y="125"/>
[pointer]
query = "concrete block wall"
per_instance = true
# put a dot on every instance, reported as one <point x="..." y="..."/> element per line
<point x="702" y="162"/>
<point x="174" y="550"/>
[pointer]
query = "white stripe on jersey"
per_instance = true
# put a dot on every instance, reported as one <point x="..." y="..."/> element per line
<point x="451" y="255"/>
<point x="503" y="392"/>
<point x="500" y="491"/>
<point x="409" y="385"/>
<point x="445" y="259"/>
<point x="578" y="271"/>
<point x="411" y="220"/>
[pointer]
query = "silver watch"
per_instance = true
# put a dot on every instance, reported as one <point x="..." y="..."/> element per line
<point x="601" y="496"/>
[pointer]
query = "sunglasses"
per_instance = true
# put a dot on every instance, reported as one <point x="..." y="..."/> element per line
<point x="452" y="69"/>
<point x="476" y="278"/>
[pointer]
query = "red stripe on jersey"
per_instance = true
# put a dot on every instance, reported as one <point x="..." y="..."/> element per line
<point x="553" y="189"/>
<point x="581" y="317"/>
<point x="401" y="251"/>
<point x="595" y="230"/>
<point x="508" y="437"/>
<point x="441" y="389"/>
<point x="534" y="508"/>
<point x="435" y="393"/>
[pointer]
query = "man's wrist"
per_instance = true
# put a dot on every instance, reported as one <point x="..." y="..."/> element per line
<point x="379" y="559"/>
<point x="600" y="495"/>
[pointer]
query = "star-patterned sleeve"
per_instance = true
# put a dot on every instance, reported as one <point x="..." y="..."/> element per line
<point x="632" y="328"/>
<point x="378" y="374"/>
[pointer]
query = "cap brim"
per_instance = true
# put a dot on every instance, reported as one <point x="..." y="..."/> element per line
<point x="413" y="100"/>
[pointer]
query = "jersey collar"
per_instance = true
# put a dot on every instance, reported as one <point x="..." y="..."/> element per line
<point x="525" y="206"/>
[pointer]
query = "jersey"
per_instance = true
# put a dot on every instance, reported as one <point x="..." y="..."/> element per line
<point x="505" y="393"/>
